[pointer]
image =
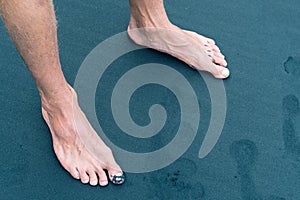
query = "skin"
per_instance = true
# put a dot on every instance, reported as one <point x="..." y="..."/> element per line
<point x="32" y="27"/>
<point x="149" y="26"/>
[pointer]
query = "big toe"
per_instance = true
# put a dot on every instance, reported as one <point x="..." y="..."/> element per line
<point x="219" y="72"/>
<point x="116" y="176"/>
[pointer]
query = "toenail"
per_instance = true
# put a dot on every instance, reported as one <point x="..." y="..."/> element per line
<point x="85" y="180"/>
<point x="93" y="182"/>
<point x="225" y="72"/>
<point x="118" y="179"/>
<point x="103" y="183"/>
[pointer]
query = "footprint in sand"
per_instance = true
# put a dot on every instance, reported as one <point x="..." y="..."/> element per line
<point x="291" y="110"/>
<point x="178" y="181"/>
<point x="245" y="154"/>
<point x="275" y="198"/>
<point x="292" y="66"/>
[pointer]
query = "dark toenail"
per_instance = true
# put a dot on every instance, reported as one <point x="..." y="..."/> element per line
<point x="208" y="50"/>
<point x="118" y="180"/>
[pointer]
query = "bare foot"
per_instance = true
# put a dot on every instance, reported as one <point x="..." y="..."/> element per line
<point x="195" y="50"/>
<point x="77" y="146"/>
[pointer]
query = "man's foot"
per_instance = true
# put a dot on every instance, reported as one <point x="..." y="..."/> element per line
<point x="76" y="144"/>
<point x="195" y="50"/>
<point x="149" y="26"/>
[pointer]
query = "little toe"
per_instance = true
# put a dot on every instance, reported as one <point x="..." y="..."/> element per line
<point x="102" y="178"/>
<point x="215" y="48"/>
<point x="93" y="178"/>
<point x="210" y="41"/>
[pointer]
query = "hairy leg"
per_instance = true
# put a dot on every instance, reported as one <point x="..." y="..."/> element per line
<point x="32" y="26"/>
<point x="149" y="26"/>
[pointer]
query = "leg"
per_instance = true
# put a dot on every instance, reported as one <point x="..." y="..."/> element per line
<point x="149" y="26"/>
<point x="32" y="26"/>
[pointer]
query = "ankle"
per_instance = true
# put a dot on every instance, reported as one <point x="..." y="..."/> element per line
<point x="145" y="13"/>
<point x="142" y="22"/>
<point x="58" y="100"/>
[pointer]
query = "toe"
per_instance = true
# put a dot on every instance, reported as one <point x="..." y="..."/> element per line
<point x="102" y="178"/>
<point x="219" y="61"/>
<point x="218" y="53"/>
<point x="215" y="48"/>
<point x="218" y="58"/>
<point x="214" y="51"/>
<point x="116" y="176"/>
<point x="74" y="172"/>
<point x="93" y="178"/>
<point x="83" y="176"/>
<point x="219" y="71"/>
<point x="210" y="41"/>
